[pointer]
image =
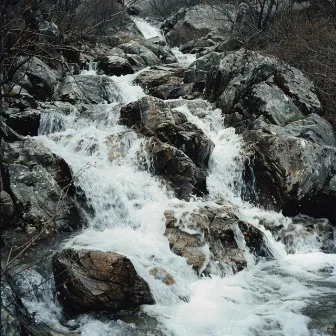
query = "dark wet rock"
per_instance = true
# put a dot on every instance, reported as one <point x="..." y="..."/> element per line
<point x="6" y="209"/>
<point x="160" y="274"/>
<point x="115" y="66"/>
<point x="31" y="152"/>
<point x="151" y="53"/>
<point x="88" y="89"/>
<point x="187" y="246"/>
<point x="303" y="230"/>
<point x="37" y="78"/>
<point x="195" y="22"/>
<point x="40" y="185"/>
<point x="245" y="73"/>
<point x="25" y="122"/>
<point x="213" y="235"/>
<point x="98" y="281"/>
<point x="177" y="168"/>
<point x="294" y="173"/>
<point x="162" y="82"/>
<point x="152" y="117"/>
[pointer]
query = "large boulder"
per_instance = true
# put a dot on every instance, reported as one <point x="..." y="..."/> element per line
<point x="293" y="173"/>
<point x="184" y="176"/>
<point x="195" y="22"/>
<point x="167" y="83"/>
<point x="88" y="89"/>
<point x="36" y="77"/>
<point x="39" y="186"/>
<point x="98" y="281"/>
<point x="115" y="65"/>
<point x="152" y="117"/>
<point x="25" y="122"/>
<point x="271" y="86"/>
<point x="211" y="239"/>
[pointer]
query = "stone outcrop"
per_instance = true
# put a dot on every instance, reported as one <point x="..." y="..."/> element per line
<point x="98" y="281"/>
<point x="195" y="22"/>
<point x="38" y="185"/>
<point x="213" y="236"/>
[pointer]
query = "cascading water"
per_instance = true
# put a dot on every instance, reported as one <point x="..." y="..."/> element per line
<point x="128" y="204"/>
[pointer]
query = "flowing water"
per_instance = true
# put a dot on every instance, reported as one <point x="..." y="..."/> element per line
<point x="273" y="296"/>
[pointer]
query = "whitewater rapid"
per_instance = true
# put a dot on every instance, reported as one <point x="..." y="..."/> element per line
<point x="127" y="207"/>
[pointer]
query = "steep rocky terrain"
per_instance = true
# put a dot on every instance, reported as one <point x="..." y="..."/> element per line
<point x="165" y="176"/>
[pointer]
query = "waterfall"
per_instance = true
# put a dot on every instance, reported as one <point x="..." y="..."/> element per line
<point x="128" y="205"/>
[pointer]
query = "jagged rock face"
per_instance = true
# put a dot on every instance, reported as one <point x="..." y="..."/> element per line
<point x="291" y="172"/>
<point x="98" y="281"/>
<point x="25" y="122"/>
<point x="115" y="66"/>
<point x="177" y="168"/>
<point x="88" y="89"/>
<point x="212" y="235"/>
<point x="163" y="83"/>
<point x="152" y="117"/>
<point x="39" y="185"/>
<point x="196" y="22"/>
<point x="291" y="149"/>
<point x="244" y="74"/>
<point x="37" y="78"/>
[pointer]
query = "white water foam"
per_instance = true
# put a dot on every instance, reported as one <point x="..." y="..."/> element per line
<point x="129" y="204"/>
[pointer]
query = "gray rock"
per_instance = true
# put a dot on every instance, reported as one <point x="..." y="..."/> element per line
<point x="6" y="209"/>
<point x="195" y="22"/>
<point x="239" y="72"/>
<point x="37" y="78"/>
<point x="38" y="200"/>
<point x="115" y="66"/>
<point x="291" y="173"/>
<point x="98" y="281"/>
<point x="25" y="122"/>
<point x="162" y="83"/>
<point x="177" y="168"/>
<point x="88" y="89"/>
<point x="152" y="117"/>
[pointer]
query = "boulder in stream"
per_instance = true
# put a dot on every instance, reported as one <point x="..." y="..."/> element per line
<point x="98" y="281"/>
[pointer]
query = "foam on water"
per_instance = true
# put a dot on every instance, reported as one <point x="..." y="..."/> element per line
<point x="148" y="30"/>
<point x="128" y="205"/>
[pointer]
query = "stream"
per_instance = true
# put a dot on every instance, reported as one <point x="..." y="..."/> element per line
<point x="290" y="294"/>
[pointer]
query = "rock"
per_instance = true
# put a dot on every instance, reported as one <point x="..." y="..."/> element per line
<point x="160" y="274"/>
<point x="6" y="208"/>
<point x="115" y="66"/>
<point x="151" y="53"/>
<point x="161" y="82"/>
<point x="151" y="116"/>
<point x="23" y="122"/>
<point x="187" y="246"/>
<point x="213" y="236"/>
<point x="48" y="28"/>
<point x="98" y="281"/>
<point x="31" y="152"/>
<point x="245" y="73"/>
<point x="34" y="178"/>
<point x="37" y="78"/>
<point x="148" y="56"/>
<point x="292" y="173"/>
<point x="10" y="324"/>
<point x="88" y="89"/>
<point x="195" y="22"/>
<point x="177" y="168"/>
<point x="37" y="196"/>
<point x="303" y="229"/>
